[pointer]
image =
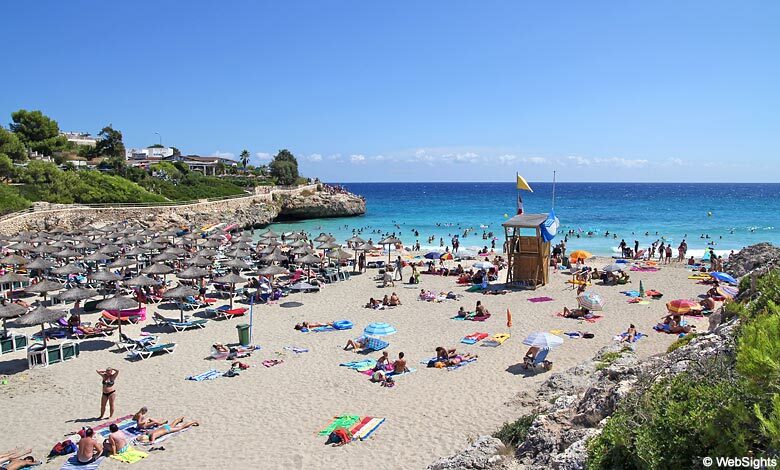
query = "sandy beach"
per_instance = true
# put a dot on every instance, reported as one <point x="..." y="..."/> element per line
<point x="269" y="417"/>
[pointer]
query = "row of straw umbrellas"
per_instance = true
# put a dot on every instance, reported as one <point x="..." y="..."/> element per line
<point x="98" y="251"/>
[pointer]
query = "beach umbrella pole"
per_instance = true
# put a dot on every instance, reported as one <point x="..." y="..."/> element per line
<point x="251" y="316"/>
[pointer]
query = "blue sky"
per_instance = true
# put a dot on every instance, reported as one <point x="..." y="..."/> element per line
<point x="417" y="91"/>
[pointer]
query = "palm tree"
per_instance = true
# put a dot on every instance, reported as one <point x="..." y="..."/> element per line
<point x="244" y="158"/>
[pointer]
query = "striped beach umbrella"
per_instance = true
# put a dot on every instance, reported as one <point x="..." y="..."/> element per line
<point x="728" y="292"/>
<point x="681" y="306"/>
<point x="379" y="329"/>
<point x="591" y="301"/>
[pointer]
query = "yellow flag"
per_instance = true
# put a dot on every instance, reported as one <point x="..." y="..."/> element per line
<point x="523" y="184"/>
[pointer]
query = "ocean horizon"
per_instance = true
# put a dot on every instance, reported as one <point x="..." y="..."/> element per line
<point x="595" y="215"/>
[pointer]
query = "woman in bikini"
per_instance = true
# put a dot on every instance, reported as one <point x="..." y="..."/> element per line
<point x="144" y="422"/>
<point x="109" y="376"/>
<point x="165" y="429"/>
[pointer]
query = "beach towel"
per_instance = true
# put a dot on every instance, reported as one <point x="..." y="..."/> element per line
<point x="321" y="329"/>
<point x="208" y="375"/>
<point x="368" y="428"/>
<point x="346" y="421"/>
<point x="401" y="374"/>
<point x="73" y="464"/>
<point x="272" y="362"/>
<point x="631" y="293"/>
<point x="474" y="338"/>
<point x="131" y="455"/>
<point x="638" y="301"/>
<point x="461" y="364"/>
<point x="497" y="340"/>
<point x="296" y="350"/>
<point x="644" y="270"/>
<point x="540" y="299"/>
<point x="102" y="429"/>
<point x="592" y="318"/>
<point x="637" y="337"/>
<point x="457" y="318"/>
<point x="482" y="318"/>
<point x="360" y="365"/>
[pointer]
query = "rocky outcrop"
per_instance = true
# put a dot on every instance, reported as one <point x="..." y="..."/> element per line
<point x="759" y="258"/>
<point x="571" y="412"/>
<point x="486" y="453"/>
<point x="317" y="205"/>
<point x="250" y="211"/>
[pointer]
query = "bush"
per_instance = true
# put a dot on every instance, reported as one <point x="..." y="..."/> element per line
<point x="512" y="434"/>
<point x="676" y="423"/>
<point x="11" y="200"/>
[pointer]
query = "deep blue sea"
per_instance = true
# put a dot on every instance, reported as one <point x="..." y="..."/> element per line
<point x="733" y="215"/>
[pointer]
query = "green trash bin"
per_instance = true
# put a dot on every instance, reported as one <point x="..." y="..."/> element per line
<point x="243" y="334"/>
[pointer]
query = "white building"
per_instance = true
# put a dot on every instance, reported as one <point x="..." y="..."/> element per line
<point x="148" y="152"/>
<point x="80" y="138"/>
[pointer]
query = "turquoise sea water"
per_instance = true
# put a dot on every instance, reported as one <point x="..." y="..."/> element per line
<point x="733" y="215"/>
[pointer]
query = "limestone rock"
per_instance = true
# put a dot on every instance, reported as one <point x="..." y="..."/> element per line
<point x="483" y="454"/>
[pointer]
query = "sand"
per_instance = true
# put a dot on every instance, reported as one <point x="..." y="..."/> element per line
<point x="269" y="417"/>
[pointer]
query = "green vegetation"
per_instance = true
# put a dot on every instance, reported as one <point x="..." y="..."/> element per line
<point x="681" y="342"/>
<point x="511" y="434"/>
<point x="721" y="407"/>
<point x="116" y="182"/>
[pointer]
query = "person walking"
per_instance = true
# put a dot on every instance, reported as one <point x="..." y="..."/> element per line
<point x="399" y="275"/>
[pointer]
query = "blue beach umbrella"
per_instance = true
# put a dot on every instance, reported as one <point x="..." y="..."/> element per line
<point x="433" y="255"/>
<point x="723" y="277"/>
<point x="379" y="329"/>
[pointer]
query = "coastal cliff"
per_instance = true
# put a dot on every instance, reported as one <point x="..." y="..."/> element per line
<point x="250" y="211"/>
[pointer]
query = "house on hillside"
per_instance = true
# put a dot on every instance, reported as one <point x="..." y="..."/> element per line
<point x="154" y="152"/>
<point x="80" y="138"/>
<point x="206" y="165"/>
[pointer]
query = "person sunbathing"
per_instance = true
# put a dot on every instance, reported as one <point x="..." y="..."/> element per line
<point x="575" y="313"/>
<point x="373" y="303"/>
<point x="144" y="422"/>
<point x="387" y="279"/>
<point x="116" y="442"/>
<point x="399" y="366"/>
<point x="386" y="300"/>
<point x="22" y="303"/>
<point x="480" y="310"/>
<point x="18" y="463"/>
<point x="394" y="300"/>
<point x="165" y="429"/>
<point x="356" y="344"/>
<point x="629" y="335"/>
<point x="454" y="361"/>
<point x="708" y="303"/>
<point x="462" y="313"/>
<point x="676" y="327"/>
<point x="444" y="354"/>
<point x="383" y="361"/>
<point x="308" y="326"/>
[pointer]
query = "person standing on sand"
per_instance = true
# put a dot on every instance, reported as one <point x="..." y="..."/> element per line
<point x="108" y="397"/>
<point x="399" y="265"/>
<point x="668" y="253"/>
<point x="661" y="252"/>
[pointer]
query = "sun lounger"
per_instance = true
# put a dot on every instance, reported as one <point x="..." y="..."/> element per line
<point x="229" y="312"/>
<point x="540" y="359"/>
<point x="179" y="325"/>
<point x="111" y="319"/>
<point x="496" y="340"/>
<point x="130" y="344"/>
<point x="148" y="351"/>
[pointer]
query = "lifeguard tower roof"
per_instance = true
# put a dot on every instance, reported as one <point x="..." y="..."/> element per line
<point x="525" y="221"/>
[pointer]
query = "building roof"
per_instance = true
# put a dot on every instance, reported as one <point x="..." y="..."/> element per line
<point x="526" y="221"/>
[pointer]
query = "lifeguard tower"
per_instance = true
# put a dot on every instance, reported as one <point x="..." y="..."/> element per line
<point x="527" y="252"/>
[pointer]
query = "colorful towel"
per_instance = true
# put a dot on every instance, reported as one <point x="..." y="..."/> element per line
<point x="631" y="293"/>
<point x="474" y="338"/>
<point x="593" y="318"/>
<point x="360" y="365"/>
<point x="458" y="318"/>
<point x="296" y="350"/>
<point x="482" y="318"/>
<point x="123" y="423"/>
<point x="321" y="329"/>
<point x="368" y="428"/>
<point x="541" y="299"/>
<point x="163" y="438"/>
<point x="73" y="464"/>
<point x="497" y="340"/>
<point x="208" y="375"/>
<point x="644" y="270"/>
<point x="346" y="421"/>
<point x="272" y="362"/>
<point x="131" y="455"/>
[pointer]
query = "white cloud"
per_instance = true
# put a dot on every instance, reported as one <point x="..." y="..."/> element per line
<point x="675" y="161"/>
<point x="263" y="156"/>
<point x="509" y="158"/>
<point x="357" y="159"/>
<point x="224" y="154"/>
<point x="315" y="157"/>
<point x="336" y="157"/>
<point x="577" y="160"/>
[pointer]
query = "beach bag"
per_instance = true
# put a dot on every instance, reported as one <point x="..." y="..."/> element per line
<point x="63" y="448"/>
<point x="588" y="335"/>
<point x="339" y="435"/>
